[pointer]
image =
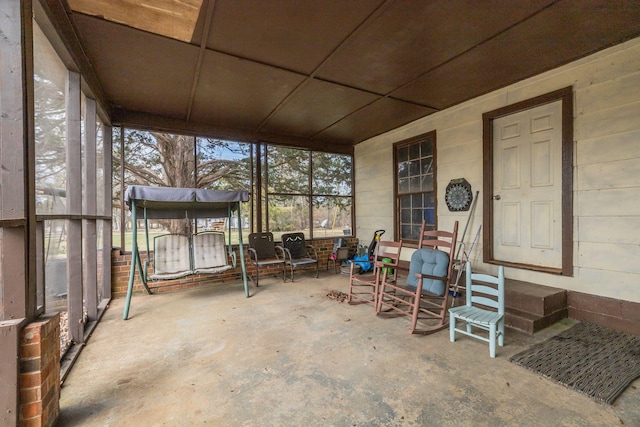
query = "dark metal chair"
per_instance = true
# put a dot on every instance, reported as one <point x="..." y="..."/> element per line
<point x="263" y="252"/>
<point x="298" y="253"/>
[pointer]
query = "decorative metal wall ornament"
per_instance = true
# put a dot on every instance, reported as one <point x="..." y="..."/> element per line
<point x="458" y="195"/>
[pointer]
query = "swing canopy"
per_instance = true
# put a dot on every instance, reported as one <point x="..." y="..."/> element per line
<point x="177" y="203"/>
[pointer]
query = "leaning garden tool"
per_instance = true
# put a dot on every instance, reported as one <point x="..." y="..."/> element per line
<point x="462" y="263"/>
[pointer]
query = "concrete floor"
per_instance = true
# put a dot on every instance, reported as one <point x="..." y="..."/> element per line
<point x="290" y="356"/>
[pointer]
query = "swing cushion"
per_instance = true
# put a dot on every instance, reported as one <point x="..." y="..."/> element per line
<point x="171" y="258"/>
<point x="432" y="262"/>
<point x="209" y="254"/>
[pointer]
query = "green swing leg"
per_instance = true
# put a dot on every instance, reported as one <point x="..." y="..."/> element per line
<point x="241" y="250"/>
<point x="134" y="262"/>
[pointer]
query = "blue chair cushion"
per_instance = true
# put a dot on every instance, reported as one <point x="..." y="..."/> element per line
<point x="432" y="262"/>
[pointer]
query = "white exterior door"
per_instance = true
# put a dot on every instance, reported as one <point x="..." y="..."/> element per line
<point x="527" y="191"/>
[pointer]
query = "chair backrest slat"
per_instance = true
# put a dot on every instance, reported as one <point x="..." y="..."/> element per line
<point x="389" y="249"/>
<point x="485" y="289"/>
<point x="436" y="243"/>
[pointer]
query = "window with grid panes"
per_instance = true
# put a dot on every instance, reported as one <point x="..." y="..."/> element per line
<point x="414" y="176"/>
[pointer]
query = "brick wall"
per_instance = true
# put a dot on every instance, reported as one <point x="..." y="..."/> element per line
<point x="610" y="312"/>
<point x="40" y="372"/>
<point x="121" y="267"/>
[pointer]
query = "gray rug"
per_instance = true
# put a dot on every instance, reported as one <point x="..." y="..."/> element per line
<point x="591" y="359"/>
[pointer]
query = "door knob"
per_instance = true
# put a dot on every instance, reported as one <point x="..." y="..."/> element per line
<point x="496" y="197"/>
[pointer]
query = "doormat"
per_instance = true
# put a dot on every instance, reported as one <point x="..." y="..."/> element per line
<point x="591" y="359"/>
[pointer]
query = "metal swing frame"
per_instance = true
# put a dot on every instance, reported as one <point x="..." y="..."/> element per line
<point x="173" y="203"/>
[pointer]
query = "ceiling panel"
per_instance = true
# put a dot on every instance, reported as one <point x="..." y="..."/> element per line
<point x="237" y="92"/>
<point x="316" y="106"/>
<point x="372" y="120"/>
<point x="327" y="73"/>
<point x="533" y="46"/>
<point x="293" y="34"/>
<point x="403" y="42"/>
<point x="139" y="71"/>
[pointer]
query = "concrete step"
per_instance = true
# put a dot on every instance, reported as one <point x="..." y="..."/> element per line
<point x="531" y="323"/>
<point x="533" y="298"/>
<point x="530" y="307"/>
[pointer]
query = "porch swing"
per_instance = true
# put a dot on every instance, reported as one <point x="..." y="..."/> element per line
<point x="181" y="255"/>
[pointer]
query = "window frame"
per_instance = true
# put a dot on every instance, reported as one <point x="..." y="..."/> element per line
<point x="312" y="193"/>
<point x="259" y="183"/>
<point x="397" y="215"/>
<point x="86" y="297"/>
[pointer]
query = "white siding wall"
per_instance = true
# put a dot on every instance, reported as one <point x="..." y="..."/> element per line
<point x="606" y="169"/>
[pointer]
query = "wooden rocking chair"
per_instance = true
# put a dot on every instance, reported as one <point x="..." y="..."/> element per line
<point x="425" y="295"/>
<point x="364" y="288"/>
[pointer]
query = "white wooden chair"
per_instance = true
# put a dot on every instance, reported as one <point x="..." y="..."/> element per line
<point x="484" y="309"/>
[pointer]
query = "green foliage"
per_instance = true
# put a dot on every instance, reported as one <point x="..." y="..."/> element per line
<point x="288" y="170"/>
<point x="223" y="165"/>
<point x="331" y="174"/>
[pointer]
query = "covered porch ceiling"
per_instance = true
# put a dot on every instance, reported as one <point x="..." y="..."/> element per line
<point x="323" y="74"/>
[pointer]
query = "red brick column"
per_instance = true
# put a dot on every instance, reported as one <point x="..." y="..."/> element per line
<point x="40" y="372"/>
